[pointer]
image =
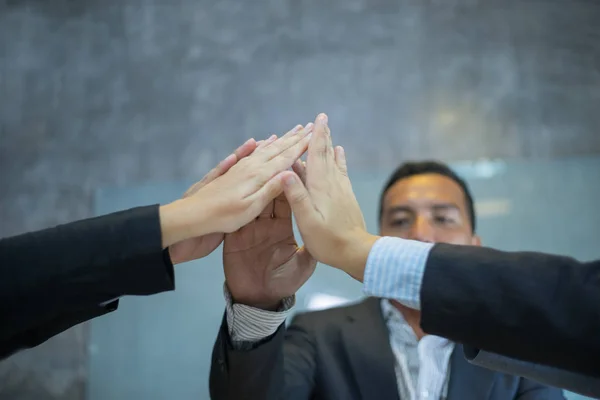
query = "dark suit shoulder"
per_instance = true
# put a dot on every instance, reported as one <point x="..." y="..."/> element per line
<point x="333" y="317"/>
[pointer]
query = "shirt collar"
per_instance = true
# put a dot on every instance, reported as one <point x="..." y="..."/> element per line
<point x="401" y="330"/>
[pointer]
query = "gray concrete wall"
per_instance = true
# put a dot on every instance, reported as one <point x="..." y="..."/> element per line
<point x="122" y="92"/>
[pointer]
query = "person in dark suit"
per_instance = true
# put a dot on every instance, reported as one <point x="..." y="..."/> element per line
<point x="535" y="308"/>
<point x="345" y="353"/>
<point x="53" y="279"/>
<point x="371" y="350"/>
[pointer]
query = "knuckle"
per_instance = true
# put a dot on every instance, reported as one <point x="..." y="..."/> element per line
<point x="299" y="197"/>
<point x="324" y="148"/>
<point x="322" y="151"/>
<point x="242" y="206"/>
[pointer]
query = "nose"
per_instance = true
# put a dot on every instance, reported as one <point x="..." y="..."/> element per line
<point x="422" y="230"/>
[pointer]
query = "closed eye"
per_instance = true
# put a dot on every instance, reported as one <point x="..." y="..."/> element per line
<point x="444" y="220"/>
<point x="400" y="222"/>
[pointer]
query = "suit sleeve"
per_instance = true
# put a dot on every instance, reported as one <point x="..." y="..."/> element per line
<point x="529" y="306"/>
<point x="542" y="374"/>
<point x="530" y="390"/>
<point x="279" y="367"/>
<point x="53" y="279"/>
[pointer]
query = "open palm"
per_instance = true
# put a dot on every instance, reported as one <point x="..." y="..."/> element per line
<point x="262" y="261"/>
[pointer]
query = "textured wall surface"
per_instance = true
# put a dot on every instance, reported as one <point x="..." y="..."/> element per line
<point x="121" y="92"/>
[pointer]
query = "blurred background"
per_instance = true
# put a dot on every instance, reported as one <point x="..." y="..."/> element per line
<point x="115" y="103"/>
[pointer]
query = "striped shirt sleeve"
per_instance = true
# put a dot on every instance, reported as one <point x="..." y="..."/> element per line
<point x="395" y="269"/>
<point x="250" y="325"/>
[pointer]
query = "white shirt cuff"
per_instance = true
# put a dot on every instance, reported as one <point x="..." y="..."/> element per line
<point x="395" y="269"/>
<point x="249" y="324"/>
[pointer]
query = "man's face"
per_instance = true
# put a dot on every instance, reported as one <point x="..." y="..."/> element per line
<point x="429" y="208"/>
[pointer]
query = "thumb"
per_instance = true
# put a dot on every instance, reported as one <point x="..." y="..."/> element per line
<point x="306" y="264"/>
<point x="297" y="195"/>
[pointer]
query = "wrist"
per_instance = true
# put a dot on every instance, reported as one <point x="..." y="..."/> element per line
<point x="261" y="304"/>
<point x="355" y="253"/>
<point x="266" y="306"/>
<point x="254" y="300"/>
<point x="183" y="219"/>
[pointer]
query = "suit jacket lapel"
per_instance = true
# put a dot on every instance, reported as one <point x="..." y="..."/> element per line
<point x="367" y="344"/>
<point x="466" y="380"/>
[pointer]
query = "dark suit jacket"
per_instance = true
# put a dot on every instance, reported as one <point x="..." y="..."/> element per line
<point x="583" y="384"/>
<point x="344" y="354"/>
<point x="528" y="306"/>
<point x="53" y="279"/>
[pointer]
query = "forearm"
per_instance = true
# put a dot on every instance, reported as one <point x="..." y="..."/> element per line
<point x="48" y="328"/>
<point x="531" y="306"/>
<point x="177" y="225"/>
<point x="509" y="303"/>
<point x="247" y="361"/>
<point x="389" y="267"/>
<point x="540" y="374"/>
<point x="395" y="269"/>
<point x="49" y="272"/>
<point x="353" y="254"/>
<point x="247" y="374"/>
<point x="263" y="368"/>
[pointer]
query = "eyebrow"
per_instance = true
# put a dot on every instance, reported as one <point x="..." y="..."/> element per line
<point x="445" y="206"/>
<point x="398" y="209"/>
<point x="435" y="207"/>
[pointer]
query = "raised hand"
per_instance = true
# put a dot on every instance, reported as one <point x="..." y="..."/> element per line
<point x="327" y="212"/>
<point x="236" y="197"/>
<point x="262" y="261"/>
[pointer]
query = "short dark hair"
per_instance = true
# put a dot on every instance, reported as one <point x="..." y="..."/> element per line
<point x="409" y="169"/>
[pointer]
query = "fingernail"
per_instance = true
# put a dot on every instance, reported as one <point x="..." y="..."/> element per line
<point x="323" y="118"/>
<point x="297" y="129"/>
<point x="309" y="126"/>
<point x="271" y="138"/>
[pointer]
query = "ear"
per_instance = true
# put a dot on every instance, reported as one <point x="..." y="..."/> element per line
<point x="475" y="241"/>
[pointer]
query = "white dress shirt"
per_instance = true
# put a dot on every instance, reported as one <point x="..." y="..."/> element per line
<point x="422" y="366"/>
